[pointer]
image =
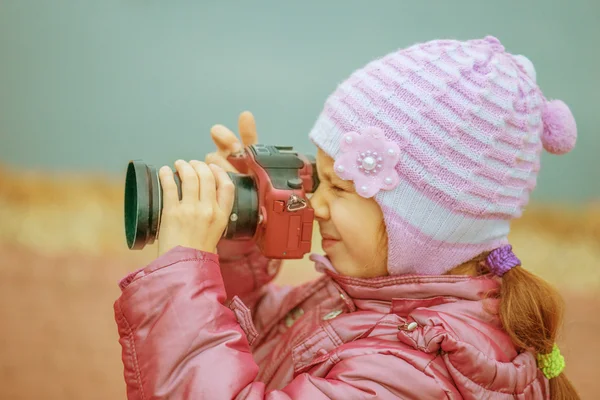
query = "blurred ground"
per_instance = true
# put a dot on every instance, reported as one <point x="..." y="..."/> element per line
<point x="63" y="252"/>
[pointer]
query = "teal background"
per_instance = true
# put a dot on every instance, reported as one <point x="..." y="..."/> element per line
<point x="88" y="85"/>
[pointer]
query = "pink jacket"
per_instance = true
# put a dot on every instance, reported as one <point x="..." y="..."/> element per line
<point x="405" y="337"/>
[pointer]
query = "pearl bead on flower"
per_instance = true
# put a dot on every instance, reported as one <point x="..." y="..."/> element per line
<point x="348" y="139"/>
<point x="368" y="163"/>
<point x="340" y="168"/>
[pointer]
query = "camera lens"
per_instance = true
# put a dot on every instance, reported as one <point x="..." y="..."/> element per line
<point x="143" y="205"/>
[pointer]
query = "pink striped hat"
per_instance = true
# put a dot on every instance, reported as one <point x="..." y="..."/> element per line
<point x="447" y="137"/>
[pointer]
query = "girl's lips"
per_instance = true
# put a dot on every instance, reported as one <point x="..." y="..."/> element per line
<point x="327" y="243"/>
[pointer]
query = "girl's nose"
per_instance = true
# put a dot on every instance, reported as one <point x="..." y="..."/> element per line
<point x="319" y="205"/>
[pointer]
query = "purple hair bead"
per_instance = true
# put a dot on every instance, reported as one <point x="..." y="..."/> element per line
<point x="501" y="260"/>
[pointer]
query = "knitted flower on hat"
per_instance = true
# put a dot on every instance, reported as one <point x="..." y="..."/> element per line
<point x="369" y="160"/>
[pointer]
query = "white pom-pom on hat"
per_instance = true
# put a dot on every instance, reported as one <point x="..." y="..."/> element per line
<point x="560" y="128"/>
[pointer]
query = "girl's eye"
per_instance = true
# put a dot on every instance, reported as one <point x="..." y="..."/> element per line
<point x="337" y="188"/>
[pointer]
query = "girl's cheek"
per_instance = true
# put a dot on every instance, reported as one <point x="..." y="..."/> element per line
<point x="348" y="221"/>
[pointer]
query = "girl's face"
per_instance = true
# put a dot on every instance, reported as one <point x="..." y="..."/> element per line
<point x="352" y="227"/>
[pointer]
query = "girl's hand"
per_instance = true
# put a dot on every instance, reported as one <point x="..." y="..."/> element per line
<point x="200" y="218"/>
<point x="227" y="143"/>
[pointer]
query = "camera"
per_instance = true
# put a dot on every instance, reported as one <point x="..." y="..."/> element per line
<point x="270" y="205"/>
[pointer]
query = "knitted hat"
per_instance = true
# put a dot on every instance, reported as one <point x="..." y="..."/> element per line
<point x="446" y="136"/>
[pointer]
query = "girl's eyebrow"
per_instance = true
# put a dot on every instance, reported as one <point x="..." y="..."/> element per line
<point x="329" y="176"/>
<point x="340" y="182"/>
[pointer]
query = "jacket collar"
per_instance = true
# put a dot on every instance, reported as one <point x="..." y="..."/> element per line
<point x="387" y="288"/>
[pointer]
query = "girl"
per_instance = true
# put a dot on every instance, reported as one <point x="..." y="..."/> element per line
<point x="424" y="157"/>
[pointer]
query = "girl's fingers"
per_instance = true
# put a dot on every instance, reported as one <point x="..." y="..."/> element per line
<point x="170" y="194"/>
<point x="226" y="141"/>
<point x="225" y="189"/>
<point x="208" y="191"/>
<point x="247" y="128"/>
<point x="215" y="158"/>
<point x="189" y="182"/>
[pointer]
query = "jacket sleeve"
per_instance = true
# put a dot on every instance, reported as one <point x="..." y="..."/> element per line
<point x="245" y="270"/>
<point x="180" y="341"/>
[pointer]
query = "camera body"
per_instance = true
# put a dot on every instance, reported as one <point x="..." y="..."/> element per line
<point x="282" y="180"/>
<point x="270" y="205"/>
